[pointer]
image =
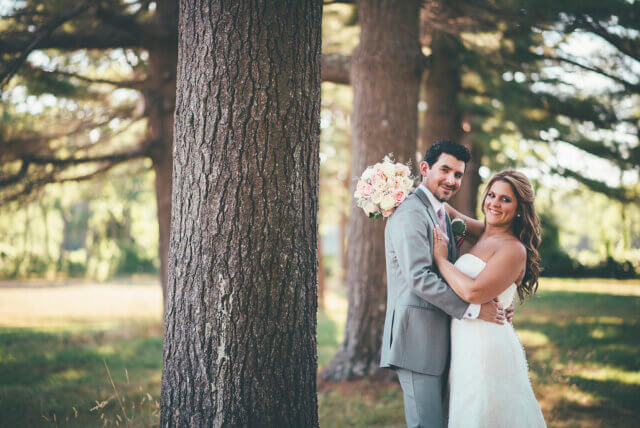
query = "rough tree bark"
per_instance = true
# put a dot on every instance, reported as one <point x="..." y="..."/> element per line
<point x="443" y="118"/>
<point x="240" y="345"/>
<point x="385" y="76"/>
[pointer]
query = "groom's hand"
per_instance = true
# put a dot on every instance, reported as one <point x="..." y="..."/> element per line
<point x="492" y="312"/>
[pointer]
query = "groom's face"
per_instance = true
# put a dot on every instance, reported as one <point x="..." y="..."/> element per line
<point x="444" y="177"/>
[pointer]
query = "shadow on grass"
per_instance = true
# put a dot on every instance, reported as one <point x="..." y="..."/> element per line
<point x="42" y="373"/>
<point x="592" y="344"/>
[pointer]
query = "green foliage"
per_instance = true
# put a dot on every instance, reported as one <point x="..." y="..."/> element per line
<point x="555" y="261"/>
<point x="99" y="229"/>
<point x="131" y="261"/>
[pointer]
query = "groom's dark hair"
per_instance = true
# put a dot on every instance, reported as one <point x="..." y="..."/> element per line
<point x="445" y="146"/>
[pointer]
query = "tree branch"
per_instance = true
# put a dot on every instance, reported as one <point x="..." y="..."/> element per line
<point x="626" y="46"/>
<point x="129" y="24"/>
<point x="631" y="86"/>
<point x="131" y="84"/>
<point x="12" y="179"/>
<point x="67" y="41"/>
<point x="44" y="33"/>
<point x="336" y="68"/>
<point x="619" y="193"/>
<point x="113" y="157"/>
<point x="52" y="177"/>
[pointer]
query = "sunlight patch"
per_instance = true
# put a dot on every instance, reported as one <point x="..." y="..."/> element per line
<point x="533" y="338"/>
<point x="608" y="373"/>
<point x="67" y="375"/>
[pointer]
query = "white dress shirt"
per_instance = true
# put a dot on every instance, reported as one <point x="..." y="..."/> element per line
<point x="473" y="310"/>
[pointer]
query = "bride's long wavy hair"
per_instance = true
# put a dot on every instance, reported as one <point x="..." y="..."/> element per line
<point x="526" y="226"/>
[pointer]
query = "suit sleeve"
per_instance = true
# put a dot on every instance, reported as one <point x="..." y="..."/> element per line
<point x="412" y="245"/>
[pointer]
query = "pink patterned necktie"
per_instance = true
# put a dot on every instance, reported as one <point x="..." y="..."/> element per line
<point x="443" y="224"/>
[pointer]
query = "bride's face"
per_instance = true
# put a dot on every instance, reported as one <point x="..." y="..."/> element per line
<point x="500" y="205"/>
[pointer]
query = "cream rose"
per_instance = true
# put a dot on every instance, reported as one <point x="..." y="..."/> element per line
<point x="377" y="197"/>
<point x="387" y="202"/>
<point x="367" y="174"/>
<point x="389" y="169"/>
<point x="370" y="208"/>
<point x="407" y="182"/>
<point x="386" y="213"/>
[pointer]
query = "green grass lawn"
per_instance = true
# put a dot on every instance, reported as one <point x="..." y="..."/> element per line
<point x="61" y="343"/>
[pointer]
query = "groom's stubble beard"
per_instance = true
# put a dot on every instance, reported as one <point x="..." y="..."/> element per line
<point x="436" y="192"/>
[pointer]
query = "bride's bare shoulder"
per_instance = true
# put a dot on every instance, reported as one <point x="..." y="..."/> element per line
<point x="510" y="245"/>
<point x="514" y="246"/>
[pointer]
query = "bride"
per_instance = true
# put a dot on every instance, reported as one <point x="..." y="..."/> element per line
<point x="488" y="379"/>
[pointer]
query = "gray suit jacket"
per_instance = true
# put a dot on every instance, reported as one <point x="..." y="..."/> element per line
<point x="419" y="302"/>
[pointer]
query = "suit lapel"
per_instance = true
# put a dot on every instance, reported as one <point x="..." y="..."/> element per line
<point x="430" y="211"/>
<point x="452" y="250"/>
<point x="452" y="243"/>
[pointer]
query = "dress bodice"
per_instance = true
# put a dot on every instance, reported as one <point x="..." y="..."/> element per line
<point x="472" y="265"/>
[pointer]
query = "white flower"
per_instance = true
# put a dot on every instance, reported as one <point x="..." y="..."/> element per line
<point x="389" y="169"/>
<point x="370" y="208"/>
<point x="407" y="183"/>
<point x="377" y="197"/>
<point x="367" y="174"/>
<point x="387" y="202"/>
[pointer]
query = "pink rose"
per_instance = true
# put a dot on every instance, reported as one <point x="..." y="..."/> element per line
<point x="387" y="213"/>
<point x="399" y="196"/>
<point x="378" y="180"/>
<point x="367" y="190"/>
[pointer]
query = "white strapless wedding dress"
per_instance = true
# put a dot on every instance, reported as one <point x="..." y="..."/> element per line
<point x="489" y="377"/>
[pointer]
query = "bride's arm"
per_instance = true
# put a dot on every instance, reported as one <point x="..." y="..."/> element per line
<point x="475" y="228"/>
<point x="502" y="270"/>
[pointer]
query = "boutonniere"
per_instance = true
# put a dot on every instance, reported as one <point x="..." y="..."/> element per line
<point x="459" y="229"/>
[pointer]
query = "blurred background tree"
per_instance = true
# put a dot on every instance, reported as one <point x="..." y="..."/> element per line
<point x="88" y="86"/>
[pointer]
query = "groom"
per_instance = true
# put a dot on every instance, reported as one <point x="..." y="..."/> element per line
<point x="420" y="304"/>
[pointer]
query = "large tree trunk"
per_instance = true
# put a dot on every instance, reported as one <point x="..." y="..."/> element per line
<point x="385" y="75"/>
<point x="443" y="117"/>
<point x="159" y="99"/>
<point x="240" y="346"/>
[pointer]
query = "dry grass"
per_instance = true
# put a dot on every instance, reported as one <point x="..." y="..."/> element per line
<point x="80" y="303"/>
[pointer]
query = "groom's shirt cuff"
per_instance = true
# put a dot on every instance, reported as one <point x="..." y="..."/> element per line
<point x="472" y="312"/>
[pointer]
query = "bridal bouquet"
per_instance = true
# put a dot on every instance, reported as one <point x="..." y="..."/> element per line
<point x="382" y="187"/>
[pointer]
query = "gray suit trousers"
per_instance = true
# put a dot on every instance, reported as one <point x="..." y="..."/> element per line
<point x="428" y="410"/>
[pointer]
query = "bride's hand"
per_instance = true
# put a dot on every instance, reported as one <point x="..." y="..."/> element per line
<point x="440" y="248"/>
<point x="450" y="210"/>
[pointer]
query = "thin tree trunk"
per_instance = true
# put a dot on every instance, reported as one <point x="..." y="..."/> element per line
<point x="47" y="239"/>
<point x="443" y="117"/>
<point x="442" y="86"/>
<point x="160" y="102"/>
<point x="342" y="245"/>
<point x="240" y="326"/>
<point x="321" y="275"/>
<point x="466" y="200"/>
<point x="385" y="75"/>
